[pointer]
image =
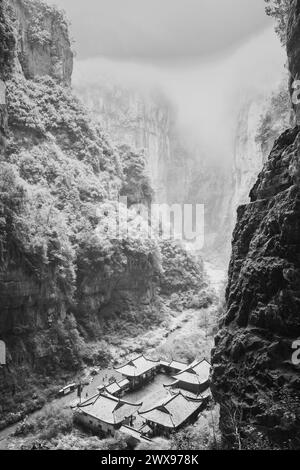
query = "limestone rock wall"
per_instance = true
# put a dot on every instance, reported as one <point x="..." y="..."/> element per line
<point x="254" y="378"/>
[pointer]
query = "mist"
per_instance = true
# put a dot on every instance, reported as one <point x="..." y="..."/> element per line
<point x="207" y="94"/>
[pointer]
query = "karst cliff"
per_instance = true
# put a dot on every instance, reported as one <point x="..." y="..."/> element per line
<point x="66" y="277"/>
<point x="254" y="377"/>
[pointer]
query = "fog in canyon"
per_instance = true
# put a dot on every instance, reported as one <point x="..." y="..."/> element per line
<point x="198" y="120"/>
<point x="180" y="102"/>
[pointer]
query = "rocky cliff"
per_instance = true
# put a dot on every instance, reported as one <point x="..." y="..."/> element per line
<point x="254" y="378"/>
<point x="260" y="121"/>
<point x="69" y="274"/>
<point x="140" y="120"/>
<point x="43" y="46"/>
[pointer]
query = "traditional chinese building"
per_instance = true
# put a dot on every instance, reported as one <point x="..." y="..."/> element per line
<point x="118" y="389"/>
<point x="173" y="367"/>
<point x="172" y="414"/>
<point x="139" y="371"/>
<point x="105" y="414"/>
<point x="194" y="378"/>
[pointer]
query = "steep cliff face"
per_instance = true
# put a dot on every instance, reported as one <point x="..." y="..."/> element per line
<point x="254" y="378"/>
<point x="7" y="43"/>
<point x="69" y="272"/>
<point x="43" y="40"/>
<point x="138" y="119"/>
<point x="260" y="121"/>
<point x="60" y="178"/>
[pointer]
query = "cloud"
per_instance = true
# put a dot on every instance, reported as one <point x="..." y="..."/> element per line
<point x="207" y="94"/>
<point x="161" y="29"/>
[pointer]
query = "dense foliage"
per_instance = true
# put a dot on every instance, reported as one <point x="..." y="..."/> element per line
<point x="67" y="175"/>
<point x="276" y="118"/>
<point x="136" y="184"/>
<point x="7" y="43"/>
<point x="180" y="270"/>
<point x="71" y="273"/>
<point x="60" y="179"/>
<point x="279" y="9"/>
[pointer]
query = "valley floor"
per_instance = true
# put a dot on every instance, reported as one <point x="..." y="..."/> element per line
<point x="188" y="334"/>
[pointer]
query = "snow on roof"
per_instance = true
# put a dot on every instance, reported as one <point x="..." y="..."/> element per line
<point x="196" y="373"/>
<point x="173" y="412"/>
<point x="137" y="367"/>
<point x="108" y="409"/>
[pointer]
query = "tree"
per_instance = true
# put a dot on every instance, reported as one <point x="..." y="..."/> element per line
<point x="279" y="9"/>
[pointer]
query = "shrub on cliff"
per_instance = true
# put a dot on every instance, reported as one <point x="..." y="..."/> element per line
<point x="279" y="9"/>
<point x="136" y="183"/>
<point x="31" y="223"/>
<point x="52" y="111"/>
<point x="7" y="44"/>
<point x="180" y="270"/>
<point x="275" y="119"/>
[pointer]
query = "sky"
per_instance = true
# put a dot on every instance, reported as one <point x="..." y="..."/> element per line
<point x="207" y="56"/>
<point x="155" y="30"/>
<point x="207" y="94"/>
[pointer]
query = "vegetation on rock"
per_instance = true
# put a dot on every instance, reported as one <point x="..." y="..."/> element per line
<point x="279" y="9"/>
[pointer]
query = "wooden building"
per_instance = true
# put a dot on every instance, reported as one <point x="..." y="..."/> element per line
<point x="139" y="371"/>
<point x="194" y="378"/>
<point x="118" y="389"/>
<point x="172" y="415"/>
<point x="173" y="367"/>
<point x="104" y="414"/>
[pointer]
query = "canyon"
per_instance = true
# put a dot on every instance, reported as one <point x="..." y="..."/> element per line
<point x="70" y="299"/>
<point x="254" y="378"/>
<point x="68" y="290"/>
<point x="180" y="169"/>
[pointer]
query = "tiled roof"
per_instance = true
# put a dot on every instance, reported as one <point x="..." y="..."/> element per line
<point x="177" y="365"/>
<point x="123" y="383"/>
<point x="174" y="388"/>
<point x="113" y="388"/>
<point x="164" y="363"/>
<point x="108" y="409"/>
<point x="196" y="373"/>
<point x="137" y="367"/>
<point x="173" y="412"/>
<point x="174" y="365"/>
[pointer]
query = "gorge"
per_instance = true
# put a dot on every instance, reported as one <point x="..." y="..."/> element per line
<point x="73" y="298"/>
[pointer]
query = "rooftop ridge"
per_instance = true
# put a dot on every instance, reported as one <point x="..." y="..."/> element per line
<point x="164" y="403"/>
<point x="89" y="402"/>
<point x="131" y="361"/>
<point x="190" y="368"/>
